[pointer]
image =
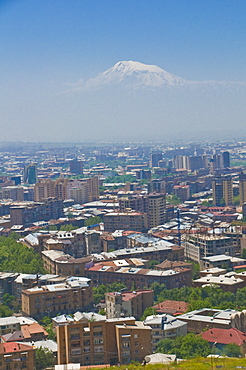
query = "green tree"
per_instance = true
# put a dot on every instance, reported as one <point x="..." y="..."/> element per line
<point x="236" y="200"/>
<point x="10" y="301"/>
<point x="46" y="322"/>
<point x="16" y="257"/>
<point x="93" y="221"/>
<point x="244" y="253"/>
<point x="68" y="227"/>
<point x="5" y="311"/>
<point x="173" y="199"/>
<point x="188" y="346"/>
<point x="148" y="312"/>
<point x="152" y="263"/>
<point x="195" y="271"/>
<point x="44" y="358"/>
<point x="232" y="350"/>
<point x="99" y="292"/>
<point x="158" y="288"/>
<point x="194" y="346"/>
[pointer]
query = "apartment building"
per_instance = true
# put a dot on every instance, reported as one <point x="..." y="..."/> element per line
<point x="103" y="341"/>
<point x="67" y="297"/>
<point x="153" y="204"/>
<point x="159" y="251"/>
<point x="57" y="262"/>
<point x="134" y="221"/>
<point x="25" y="213"/>
<point x="16" y="356"/>
<point x="163" y="327"/>
<point x="222" y="191"/>
<point x="120" y="304"/>
<point x="242" y="188"/>
<point x="138" y="278"/>
<point x="198" y="246"/>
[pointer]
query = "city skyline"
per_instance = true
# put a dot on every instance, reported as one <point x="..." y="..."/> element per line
<point x="48" y="48"/>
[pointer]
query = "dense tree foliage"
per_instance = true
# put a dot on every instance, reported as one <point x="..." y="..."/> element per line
<point x="173" y="199"/>
<point x="188" y="346"/>
<point x="148" y="312"/>
<point x="93" y="221"/>
<point x="231" y="350"/>
<point x="44" y="358"/>
<point x="46" y="322"/>
<point x="5" y="311"/>
<point x="210" y="296"/>
<point x="99" y="292"/>
<point x="16" y="257"/>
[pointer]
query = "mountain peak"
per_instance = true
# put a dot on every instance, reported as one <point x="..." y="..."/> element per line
<point x="137" y="74"/>
<point x="131" y="66"/>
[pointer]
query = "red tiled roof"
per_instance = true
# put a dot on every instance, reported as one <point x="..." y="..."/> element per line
<point x="11" y="347"/>
<point x="225" y="336"/>
<point x="172" y="307"/>
<point x="29" y="330"/>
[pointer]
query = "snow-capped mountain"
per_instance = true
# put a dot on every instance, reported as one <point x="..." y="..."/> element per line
<point x="136" y="75"/>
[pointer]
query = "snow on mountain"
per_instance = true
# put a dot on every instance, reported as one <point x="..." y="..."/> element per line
<point x="136" y="75"/>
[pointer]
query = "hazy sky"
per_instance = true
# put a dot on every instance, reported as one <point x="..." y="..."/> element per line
<point x="49" y="44"/>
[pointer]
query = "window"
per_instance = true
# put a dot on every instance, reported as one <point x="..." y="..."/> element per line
<point x="98" y="341"/>
<point x="135" y="336"/>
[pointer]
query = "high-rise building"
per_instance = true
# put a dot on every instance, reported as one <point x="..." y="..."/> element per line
<point x="76" y="166"/>
<point x="51" y="188"/>
<point x="157" y="186"/>
<point x="226" y="159"/>
<point x="242" y="188"/>
<point x="222" y="191"/>
<point x="156" y="209"/>
<point x="154" y="159"/>
<point x="30" y="175"/>
<point x="95" y="340"/>
<point x="154" y="204"/>
<point x="93" y="183"/>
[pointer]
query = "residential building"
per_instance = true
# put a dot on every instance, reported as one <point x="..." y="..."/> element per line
<point x="155" y="158"/>
<point x="57" y="262"/>
<point x="156" y="209"/>
<point x="67" y="297"/>
<point x="163" y="327"/>
<point x="225" y="282"/>
<point x="30" y="175"/>
<point x="9" y="324"/>
<point x="138" y="278"/>
<point x="222" y="191"/>
<point x="103" y="341"/>
<point x="171" y="307"/>
<point x="123" y="304"/>
<point x="242" y="188"/>
<point x="16" y="356"/>
<point x="219" y="338"/>
<point x="76" y="166"/>
<point x="134" y="221"/>
<point x="26" y="213"/>
<point x="207" y="318"/>
<point x="197" y="246"/>
<point x="182" y="192"/>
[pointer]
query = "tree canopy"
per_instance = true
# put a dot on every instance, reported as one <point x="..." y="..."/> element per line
<point x="44" y="358"/>
<point x="16" y="257"/>
<point x="99" y="292"/>
<point x="209" y="296"/>
<point x="188" y="346"/>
